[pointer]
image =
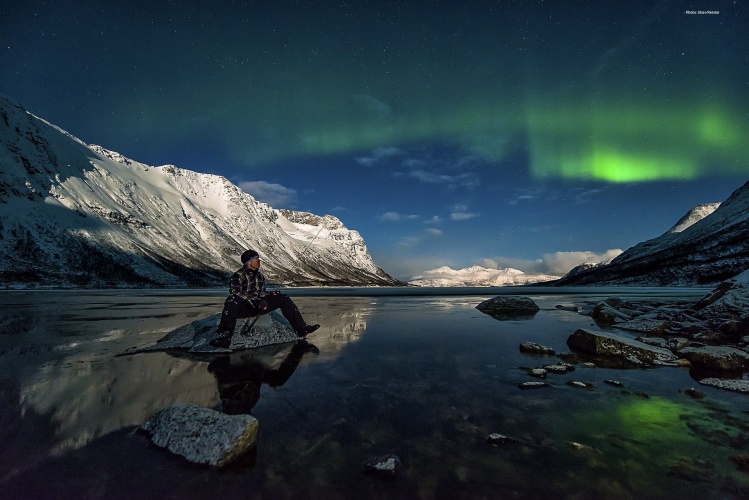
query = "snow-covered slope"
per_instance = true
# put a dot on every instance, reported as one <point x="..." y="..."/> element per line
<point x="477" y="276"/>
<point x="74" y="215"/>
<point x="695" y="215"/>
<point x="707" y="246"/>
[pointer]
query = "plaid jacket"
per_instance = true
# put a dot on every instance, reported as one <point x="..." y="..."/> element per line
<point x="249" y="285"/>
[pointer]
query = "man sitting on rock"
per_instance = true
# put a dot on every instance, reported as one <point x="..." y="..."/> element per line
<point x="248" y="297"/>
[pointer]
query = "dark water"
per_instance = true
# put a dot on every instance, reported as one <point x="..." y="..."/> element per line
<point x="425" y="377"/>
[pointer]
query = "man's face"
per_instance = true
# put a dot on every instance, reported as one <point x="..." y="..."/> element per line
<point x="254" y="264"/>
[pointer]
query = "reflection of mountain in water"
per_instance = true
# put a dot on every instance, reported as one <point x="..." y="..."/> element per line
<point x="343" y="320"/>
<point x="87" y="391"/>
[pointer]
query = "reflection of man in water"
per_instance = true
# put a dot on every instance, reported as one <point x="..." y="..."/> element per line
<point x="239" y="378"/>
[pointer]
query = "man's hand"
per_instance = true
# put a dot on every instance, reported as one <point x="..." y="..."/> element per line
<point x="262" y="305"/>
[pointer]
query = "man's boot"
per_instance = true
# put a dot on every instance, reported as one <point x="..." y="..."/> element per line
<point x="222" y="340"/>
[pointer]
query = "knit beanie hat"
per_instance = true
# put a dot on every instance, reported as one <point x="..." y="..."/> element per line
<point x="247" y="256"/>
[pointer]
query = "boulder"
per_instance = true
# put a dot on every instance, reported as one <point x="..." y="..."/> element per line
<point x="720" y="358"/>
<point x="612" y="345"/>
<point x="508" y="307"/>
<point x="269" y="329"/>
<point x="202" y="435"/>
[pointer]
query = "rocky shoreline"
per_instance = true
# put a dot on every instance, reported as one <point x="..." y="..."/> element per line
<point x="710" y="336"/>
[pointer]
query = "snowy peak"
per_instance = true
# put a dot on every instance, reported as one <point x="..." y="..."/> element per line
<point x="477" y="276"/>
<point x="705" y="247"/>
<point x="107" y="220"/>
<point x="695" y="215"/>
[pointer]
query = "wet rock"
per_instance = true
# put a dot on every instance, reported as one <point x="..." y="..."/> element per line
<point x="615" y="383"/>
<point x="532" y="385"/>
<point x="583" y="447"/>
<point x="559" y="368"/>
<point x="694" y="393"/>
<point x="716" y="358"/>
<point x="533" y="348"/>
<point x="537" y="372"/>
<point x="612" y="345"/>
<point x="202" y="435"/>
<point x="496" y="439"/>
<point x="580" y="385"/>
<point x="509" y="307"/>
<point x="728" y="384"/>
<point x="383" y="466"/>
<point x="588" y="364"/>
<point x="643" y="395"/>
<point x="567" y="308"/>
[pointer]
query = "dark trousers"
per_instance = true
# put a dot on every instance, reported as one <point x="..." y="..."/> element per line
<point x="235" y="308"/>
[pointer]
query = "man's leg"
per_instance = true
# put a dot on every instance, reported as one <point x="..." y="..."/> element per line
<point x="233" y="308"/>
<point x="290" y="312"/>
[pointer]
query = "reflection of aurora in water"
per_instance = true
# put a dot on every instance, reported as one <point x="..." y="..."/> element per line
<point x="651" y="437"/>
<point x="427" y="378"/>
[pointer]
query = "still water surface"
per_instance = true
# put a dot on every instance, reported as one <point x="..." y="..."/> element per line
<point x="425" y="377"/>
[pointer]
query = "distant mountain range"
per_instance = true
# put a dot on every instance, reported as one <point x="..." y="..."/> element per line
<point x="708" y="245"/>
<point x="477" y="276"/>
<point x="74" y="215"/>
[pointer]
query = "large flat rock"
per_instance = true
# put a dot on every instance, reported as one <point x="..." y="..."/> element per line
<point x="270" y="329"/>
<point x="612" y="345"/>
<point x="202" y="435"/>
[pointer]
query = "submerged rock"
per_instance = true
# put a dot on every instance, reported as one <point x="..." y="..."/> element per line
<point x="532" y="385"/>
<point x="202" y="435"/>
<point x="496" y="439"/>
<point x="509" y="307"/>
<point x="386" y="465"/>
<point x="559" y="368"/>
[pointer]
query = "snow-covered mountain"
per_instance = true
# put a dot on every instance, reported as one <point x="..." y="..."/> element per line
<point x="477" y="276"/>
<point x="79" y="215"/>
<point x="705" y="247"/>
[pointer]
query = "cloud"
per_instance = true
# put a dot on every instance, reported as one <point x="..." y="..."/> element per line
<point x="377" y="155"/>
<point x="556" y="264"/>
<point x="434" y="232"/>
<point x="434" y="220"/>
<point x="460" y="212"/>
<point x="395" y="216"/>
<point x="275" y="195"/>
<point x="563" y="262"/>
<point x="390" y="216"/>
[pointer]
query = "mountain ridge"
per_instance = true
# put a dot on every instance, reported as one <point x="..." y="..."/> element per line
<point x="706" y="246"/>
<point x="73" y="215"/>
<point x="477" y="276"/>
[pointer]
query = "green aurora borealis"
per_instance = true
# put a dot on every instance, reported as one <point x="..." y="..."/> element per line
<point x="635" y="92"/>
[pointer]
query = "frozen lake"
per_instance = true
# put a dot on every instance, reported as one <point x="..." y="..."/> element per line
<point x="417" y="373"/>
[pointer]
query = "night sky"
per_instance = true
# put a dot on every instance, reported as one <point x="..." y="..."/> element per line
<point x="533" y="135"/>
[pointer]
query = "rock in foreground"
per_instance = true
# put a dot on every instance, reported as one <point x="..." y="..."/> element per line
<point x="202" y="435"/>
